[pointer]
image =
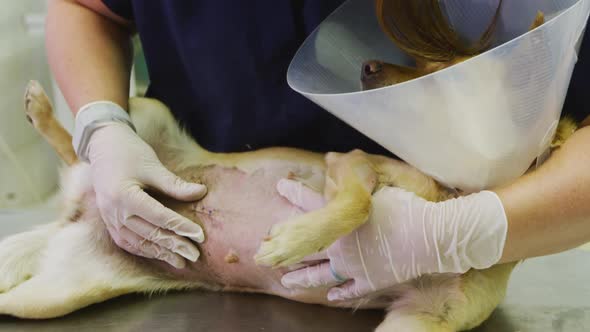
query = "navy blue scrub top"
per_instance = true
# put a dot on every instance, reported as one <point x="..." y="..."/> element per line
<point x="221" y="67"/>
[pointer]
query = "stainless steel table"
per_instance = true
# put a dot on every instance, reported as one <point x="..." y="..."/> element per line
<point x="546" y="294"/>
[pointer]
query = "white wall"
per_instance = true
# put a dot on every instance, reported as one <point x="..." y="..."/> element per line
<point x="28" y="167"/>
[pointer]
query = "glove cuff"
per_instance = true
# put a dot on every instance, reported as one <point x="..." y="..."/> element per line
<point x="479" y="229"/>
<point x="487" y="248"/>
<point x="92" y="116"/>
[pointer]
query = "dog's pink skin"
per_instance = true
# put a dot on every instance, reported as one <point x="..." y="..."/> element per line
<point x="237" y="214"/>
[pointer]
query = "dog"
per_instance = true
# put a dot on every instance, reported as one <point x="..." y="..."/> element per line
<point x="71" y="263"/>
<point x="420" y="29"/>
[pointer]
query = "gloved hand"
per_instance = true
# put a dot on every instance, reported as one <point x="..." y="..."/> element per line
<point x="405" y="237"/>
<point x="122" y="165"/>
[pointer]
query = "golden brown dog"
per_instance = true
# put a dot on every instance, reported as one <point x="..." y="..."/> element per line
<point x="72" y="262"/>
<point x="420" y="29"/>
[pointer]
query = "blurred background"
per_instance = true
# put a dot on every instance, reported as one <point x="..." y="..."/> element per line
<point x="29" y="169"/>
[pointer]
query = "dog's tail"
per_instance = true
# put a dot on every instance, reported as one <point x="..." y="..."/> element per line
<point x="419" y="28"/>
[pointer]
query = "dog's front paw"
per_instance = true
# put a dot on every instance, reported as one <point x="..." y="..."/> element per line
<point x="287" y="244"/>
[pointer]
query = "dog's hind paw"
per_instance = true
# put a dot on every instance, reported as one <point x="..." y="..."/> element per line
<point x="20" y="255"/>
<point x="14" y="268"/>
<point x="36" y="102"/>
<point x="8" y="282"/>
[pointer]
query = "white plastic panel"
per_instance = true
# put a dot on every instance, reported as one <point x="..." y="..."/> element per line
<point x="474" y="125"/>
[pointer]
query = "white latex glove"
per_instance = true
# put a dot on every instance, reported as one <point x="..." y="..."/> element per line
<point x="405" y="237"/>
<point x="122" y="166"/>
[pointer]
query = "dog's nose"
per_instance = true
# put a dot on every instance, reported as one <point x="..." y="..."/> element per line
<point x="370" y="68"/>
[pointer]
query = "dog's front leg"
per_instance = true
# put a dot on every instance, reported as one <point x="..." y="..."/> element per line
<point x="349" y="184"/>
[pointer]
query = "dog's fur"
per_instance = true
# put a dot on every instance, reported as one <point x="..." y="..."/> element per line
<point x="71" y="263"/>
<point x="77" y="258"/>
<point x="420" y="29"/>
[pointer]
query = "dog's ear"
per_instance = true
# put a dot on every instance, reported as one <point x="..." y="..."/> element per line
<point x="420" y="28"/>
<point x="485" y="40"/>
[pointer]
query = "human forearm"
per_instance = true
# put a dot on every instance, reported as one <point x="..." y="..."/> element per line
<point x="544" y="212"/>
<point x="89" y="54"/>
<point x="548" y="210"/>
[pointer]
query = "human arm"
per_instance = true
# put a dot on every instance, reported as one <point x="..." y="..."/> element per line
<point x="548" y="210"/>
<point x="90" y="53"/>
<point x="543" y="212"/>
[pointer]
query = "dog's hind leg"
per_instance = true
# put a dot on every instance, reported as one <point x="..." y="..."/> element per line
<point x="50" y="295"/>
<point x="80" y="266"/>
<point x="153" y="120"/>
<point x="20" y="254"/>
<point x="447" y="303"/>
<point x="40" y="113"/>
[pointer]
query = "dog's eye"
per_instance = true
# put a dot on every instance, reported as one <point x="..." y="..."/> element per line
<point x="372" y="68"/>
